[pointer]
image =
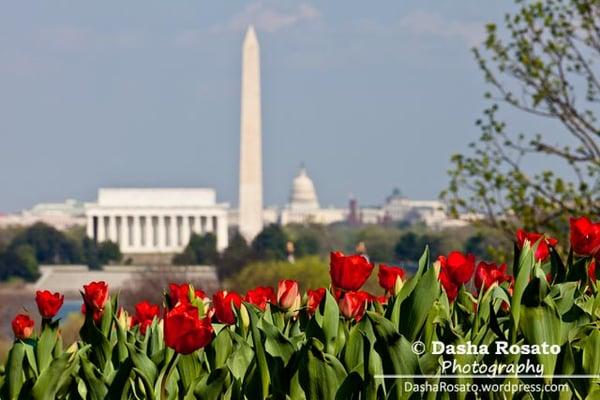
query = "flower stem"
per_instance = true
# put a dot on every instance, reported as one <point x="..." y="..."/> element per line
<point x="170" y="367"/>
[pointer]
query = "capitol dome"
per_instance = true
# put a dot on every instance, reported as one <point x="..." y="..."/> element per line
<point x="303" y="195"/>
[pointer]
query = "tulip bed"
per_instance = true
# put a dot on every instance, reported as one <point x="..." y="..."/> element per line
<point x="328" y="343"/>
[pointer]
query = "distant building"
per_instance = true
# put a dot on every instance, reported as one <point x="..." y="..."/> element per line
<point x="303" y="206"/>
<point x="432" y="213"/>
<point x="155" y="220"/>
<point x="61" y="216"/>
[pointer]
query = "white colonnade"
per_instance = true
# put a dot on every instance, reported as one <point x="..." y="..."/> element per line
<point x="141" y="231"/>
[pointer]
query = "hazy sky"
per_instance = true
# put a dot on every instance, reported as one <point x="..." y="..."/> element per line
<point x="146" y="93"/>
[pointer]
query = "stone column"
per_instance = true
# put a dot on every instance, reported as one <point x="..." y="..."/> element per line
<point x="185" y="230"/>
<point x="161" y="233"/>
<point x="149" y="232"/>
<point x="124" y="242"/>
<point x="89" y="226"/>
<point x="112" y="228"/>
<point x="173" y="234"/>
<point x="197" y="227"/>
<point x="101" y="229"/>
<point x="209" y="223"/>
<point x="137" y="233"/>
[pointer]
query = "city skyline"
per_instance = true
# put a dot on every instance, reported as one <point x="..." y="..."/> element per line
<point x="175" y="123"/>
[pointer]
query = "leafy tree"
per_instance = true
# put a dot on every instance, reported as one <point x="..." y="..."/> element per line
<point x="50" y="245"/>
<point x="409" y="247"/>
<point x="307" y="244"/>
<point x="541" y="64"/>
<point x="270" y="243"/>
<point x="311" y="272"/>
<point x="234" y="257"/>
<point x="90" y="253"/>
<point x="109" y="251"/>
<point x="19" y="261"/>
<point x="379" y="241"/>
<point x="201" y="249"/>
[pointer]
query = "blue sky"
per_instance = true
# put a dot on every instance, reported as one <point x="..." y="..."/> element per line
<point x="146" y="93"/>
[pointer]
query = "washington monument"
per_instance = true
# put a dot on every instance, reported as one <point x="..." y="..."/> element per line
<point x="250" y="200"/>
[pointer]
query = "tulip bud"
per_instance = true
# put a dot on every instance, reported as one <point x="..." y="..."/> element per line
<point x="22" y="326"/>
<point x="288" y="295"/>
<point x="244" y="316"/>
<point x="352" y="305"/>
<point x="124" y="319"/>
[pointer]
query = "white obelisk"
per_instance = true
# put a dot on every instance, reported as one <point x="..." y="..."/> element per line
<point x="250" y="201"/>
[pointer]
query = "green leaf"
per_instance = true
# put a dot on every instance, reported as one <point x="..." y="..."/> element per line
<point x="354" y="352"/>
<point x="416" y="307"/>
<point x="410" y="284"/>
<point x="14" y="370"/>
<point x="276" y="344"/>
<point x="97" y="388"/>
<point x="591" y="353"/>
<point x="329" y="321"/>
<point x="212" y="385"/>
<point x="189" y="369"/>
<point x="395" y="352"/>
<point x="143" y="364"/>
<point x="259" y="350"/>
<point x="523" y="268"/>
<point x="241" y="357"/>
<point x="539" y="325"/>
<point x="53" y="377"/>
<point x="220" y="349"/>
<point x="45" y="346"/>
<point x="320" y="373"/>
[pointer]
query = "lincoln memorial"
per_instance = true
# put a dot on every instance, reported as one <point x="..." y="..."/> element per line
<point x="144" y="221"/>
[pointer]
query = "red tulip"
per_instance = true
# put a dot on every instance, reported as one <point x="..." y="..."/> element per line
<point x="592" y="270"/>
<point x="48" y="303"/>
<point x="22" y="326"/>
<point x="145" y="312"/>
<point x="585" y="236"/>
<point x="349" y="272"/>
<point x="390" y="278"/>
<point x="353" y="304"/>
<point x="288" y="294"/>
<point x="488" y="274"/>
<point x="222" y="301"/>
<point x="315" y="297"/>
<point x="456" y="270"/>
<point x="95" y="294"/>
<point x="184" y="331"/>
<point x="260" y="296"/>
<point x="543" y="251"/>
<point x="181" y="293"/>
<point x="448" y="284"/>
<point x="97" y="314"/>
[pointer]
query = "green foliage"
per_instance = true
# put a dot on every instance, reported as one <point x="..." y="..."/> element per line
<point x="234" y="257"/>
<point x="51" y="245"/>
<point x="43" y="244"/>
<point x="90" y="253"/>
<point x="311" y="272"/>
<point x="541" y="63"/>
<point x="379" y="242"/>
<point x="270" y="243"/>
<point x="200" y="250"/>
<point x="109" y="251"/>
<point x="19" y="261"/>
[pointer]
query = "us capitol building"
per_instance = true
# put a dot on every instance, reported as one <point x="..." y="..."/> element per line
<point x="161" y="220"/>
